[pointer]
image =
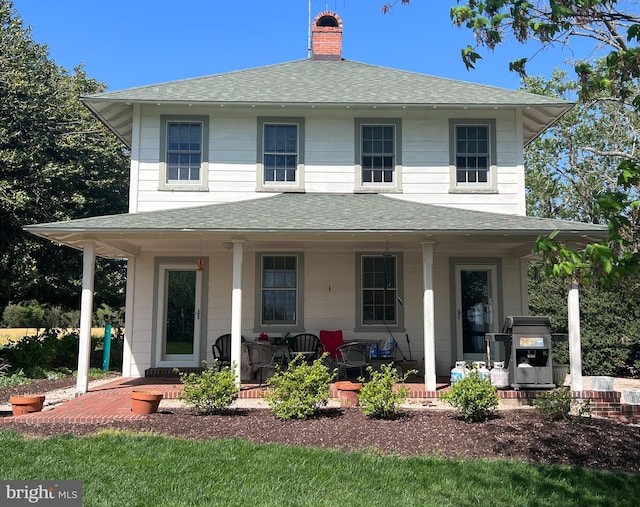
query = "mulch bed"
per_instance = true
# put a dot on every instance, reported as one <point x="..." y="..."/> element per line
<point x="514" y="434"/>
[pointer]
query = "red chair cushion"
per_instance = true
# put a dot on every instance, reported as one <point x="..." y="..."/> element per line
<point x="330" y="341"/>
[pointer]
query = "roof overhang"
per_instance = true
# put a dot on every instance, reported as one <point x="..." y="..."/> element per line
<point x="118" y="116"/>
<point x="351" y="219"/>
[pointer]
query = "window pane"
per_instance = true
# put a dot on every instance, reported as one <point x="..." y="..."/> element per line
<point x="280" y="277"/>
<point x="377" y="153"/>
<point x="184" y="141"/>
<point x="378" y="278"/>
<point x="472" y="153"/>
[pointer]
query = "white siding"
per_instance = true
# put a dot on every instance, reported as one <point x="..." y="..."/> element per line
<point x="329" y="156"/>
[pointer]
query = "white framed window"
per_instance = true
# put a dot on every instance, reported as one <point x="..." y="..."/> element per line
<point x="379" y="298"/>
<point x="280" y="154"/>
<point x="184" y="153"/>
<point x="378" y="163"/>
<point x="280" y="291"/>
<point x="472" y="155"/>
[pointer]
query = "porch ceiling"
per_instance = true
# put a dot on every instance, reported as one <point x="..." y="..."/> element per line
<point x="350" y="220"/>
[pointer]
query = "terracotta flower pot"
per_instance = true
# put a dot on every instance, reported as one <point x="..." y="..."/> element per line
<point x="348" y="393"/>
<point x="26" y="404"/>
<point x="145" y="402"/>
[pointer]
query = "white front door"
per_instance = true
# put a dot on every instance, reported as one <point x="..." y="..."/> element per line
<point x="476" y="296"/>
<point x="179" y="316"/>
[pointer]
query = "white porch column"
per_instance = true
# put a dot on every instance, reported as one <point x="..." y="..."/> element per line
<point x="127" y="353"/>
<point x="86" y="311"/>
<point x="429" y="318"/>
<point x="575" y="350"/>
<point x="236" y="308"/>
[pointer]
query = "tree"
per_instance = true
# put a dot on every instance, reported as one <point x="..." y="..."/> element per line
<point x="577" y="158"/>
<point x="57" y="162"/>
<point x="609" y="25"/>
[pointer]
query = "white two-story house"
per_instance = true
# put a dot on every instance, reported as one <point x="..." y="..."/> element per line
<point x="318" y="194"/>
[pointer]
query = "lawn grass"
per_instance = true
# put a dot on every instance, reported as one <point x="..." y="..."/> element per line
<point x="148" y="470"/>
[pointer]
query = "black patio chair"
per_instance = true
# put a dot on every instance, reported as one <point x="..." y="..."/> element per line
<point x="306" y="344"/>
<point x="222" y="350"/>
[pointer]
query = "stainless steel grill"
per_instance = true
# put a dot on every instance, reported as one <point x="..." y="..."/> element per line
<point x="527" y="341"/>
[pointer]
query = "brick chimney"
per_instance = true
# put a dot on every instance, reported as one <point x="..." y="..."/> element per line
<point x="326" y="37"/>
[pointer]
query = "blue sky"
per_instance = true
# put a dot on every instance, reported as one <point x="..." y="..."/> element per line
<point x="126" y="43"/>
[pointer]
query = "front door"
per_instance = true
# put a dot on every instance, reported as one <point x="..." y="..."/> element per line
<point x="179" y="316"/>
<point x="475" y="299"/>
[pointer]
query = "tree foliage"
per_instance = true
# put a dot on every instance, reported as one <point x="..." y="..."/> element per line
<point x="612" y="27"/>
<point x="57" y="162"/>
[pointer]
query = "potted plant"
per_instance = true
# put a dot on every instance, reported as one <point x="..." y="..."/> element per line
<point x="348" y="393"/>
<point x="145" y="402"/>
<point x="26" y="404"/>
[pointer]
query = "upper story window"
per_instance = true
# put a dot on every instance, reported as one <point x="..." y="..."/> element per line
<point x="280" y="154"/>
<point x="184" y="153"/>
<point x="378" y="154"/>
<point x="472" y="154"/>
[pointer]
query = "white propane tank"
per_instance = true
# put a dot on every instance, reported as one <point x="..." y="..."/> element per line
<point x="481" y="368"/>
<point x="459" y="371"/>
<point x="500" y="375"/>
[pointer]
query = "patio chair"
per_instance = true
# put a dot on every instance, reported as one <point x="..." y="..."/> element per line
<point x="262" y="355"/>
<point x="222" y="350"/>
<point x="329" y="343"/>
<point x="351" y="356"/>
<point x="306" y="344"/>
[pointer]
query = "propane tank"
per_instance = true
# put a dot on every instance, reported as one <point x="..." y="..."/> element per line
<point x="481" y="368"/>
<point x="499" y="375"/>
<point x="459" y="371"/>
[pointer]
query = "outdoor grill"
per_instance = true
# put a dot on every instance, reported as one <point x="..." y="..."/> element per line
<point x="527" y="342"/>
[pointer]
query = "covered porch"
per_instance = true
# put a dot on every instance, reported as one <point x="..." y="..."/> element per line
<point x="329" y="235"/>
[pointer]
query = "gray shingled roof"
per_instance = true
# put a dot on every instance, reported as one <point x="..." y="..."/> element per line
<point x="324" y="83"/>
<point x="330" y="213"/>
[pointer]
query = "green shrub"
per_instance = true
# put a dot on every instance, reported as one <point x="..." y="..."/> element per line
<point x="37" y="350"/>
<point x="30" y="314"/>
<point x="558" y="404"/>
<point x="474" y="398"/>
<point x="300" y="390"/>
<point x="211" y="391"/>
<point x="379" y="397"/>
<point x="15" y="379"/>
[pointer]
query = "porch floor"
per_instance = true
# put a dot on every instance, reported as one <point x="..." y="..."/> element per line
<point x="110" y="401"/>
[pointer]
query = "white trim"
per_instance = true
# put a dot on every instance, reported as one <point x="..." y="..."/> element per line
<point x="492" y="269"/>
<point x="188" y="360"/>
<point x="134" y="171"/>
<point x="127" y="355"/>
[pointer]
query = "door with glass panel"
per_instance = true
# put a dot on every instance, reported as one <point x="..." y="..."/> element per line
<point x="179" y="316"/>
<point x="476" y="296"/>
